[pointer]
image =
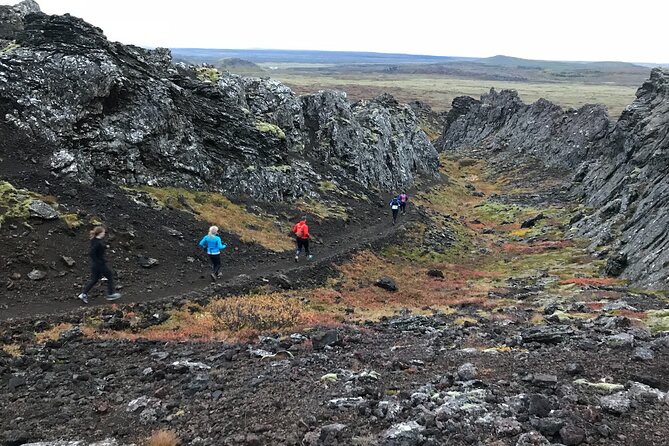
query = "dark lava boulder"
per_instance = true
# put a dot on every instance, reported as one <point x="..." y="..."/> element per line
<point x="386" y="283"/>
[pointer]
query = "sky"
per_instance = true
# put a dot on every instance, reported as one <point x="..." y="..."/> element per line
<point x="583" y="30"/>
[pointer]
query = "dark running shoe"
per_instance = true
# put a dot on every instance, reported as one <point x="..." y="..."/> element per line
<point x="113" y="296"/>
<point x="83" y="297"/>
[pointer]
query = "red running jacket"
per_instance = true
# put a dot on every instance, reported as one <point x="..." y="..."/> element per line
<point x="301" y="229"/>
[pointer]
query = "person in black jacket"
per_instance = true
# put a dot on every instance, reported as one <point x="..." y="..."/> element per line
<point x="395" y="207"/>
<point x="99" y="268"/>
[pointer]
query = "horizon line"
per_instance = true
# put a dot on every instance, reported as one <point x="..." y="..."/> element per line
<point x="410" y="54"/>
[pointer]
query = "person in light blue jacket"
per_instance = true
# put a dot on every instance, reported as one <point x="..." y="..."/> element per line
<point x="213" y="244"/>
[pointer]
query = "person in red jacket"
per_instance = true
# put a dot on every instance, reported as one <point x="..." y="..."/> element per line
<point x="301" y="231"/>
<point x="404" y="198"/>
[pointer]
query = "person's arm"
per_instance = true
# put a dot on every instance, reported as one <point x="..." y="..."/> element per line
<point x="203" y="241"/>
<point x="305" y="231"/>
<point x="221" y="245"/>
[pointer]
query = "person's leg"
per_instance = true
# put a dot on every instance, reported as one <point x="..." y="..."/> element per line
<point x="306" y="247"/>
<point x="403" y="207"/>
<point x="95" y="276"/>
<point x="212" y="265"/>
<point x="395" y="215"/>
<point x="298" y="248"/>
<point x="217" y="263"/>
<point x="106" y="272"/>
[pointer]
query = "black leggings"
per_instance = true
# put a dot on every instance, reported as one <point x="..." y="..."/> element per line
<point x="215" y="262"/>
<point x="403" y="207"/>
<point x="302" y="243"/>
<point x="395" y="211"/>
<point x="97" y="273"/>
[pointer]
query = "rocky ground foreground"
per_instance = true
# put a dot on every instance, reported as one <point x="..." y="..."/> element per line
<point x="407" y="380"/>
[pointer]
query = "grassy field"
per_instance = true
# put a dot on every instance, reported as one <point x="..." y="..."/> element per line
<point x="439" y="91"/>
<point x="434" y="80"/>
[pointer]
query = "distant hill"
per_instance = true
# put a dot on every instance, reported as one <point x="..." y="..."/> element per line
<point x="239" y="66"/>
<point x="206" y="55"/>
<point x="497" y="68"/>
<point x="507" y="61"/>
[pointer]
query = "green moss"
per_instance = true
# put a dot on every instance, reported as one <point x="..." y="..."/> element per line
<point x="95" y="221"/>
<point x="323" y="210"/>
<point x="562" y="316"/>
<point x="207" y="74"/>
<point x="14" y="203"/>
<point x="280" y="168"/>
<point x="565" y="263"/>
<point x="327" y="186"/>
<point x="603" y="387"/>
<point x="661" y="294"/>
<point x="499" y="213"/>
<point x="658" y="321"/>
<point x="412" y="248"/>
<point x="462" y="320"/>
<point x="331" y="187"/>
<point x="72" y="220"/>
<point x="11" y="46"/>
<point x="266" y="127"/>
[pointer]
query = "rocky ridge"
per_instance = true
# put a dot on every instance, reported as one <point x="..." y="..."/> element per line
<point x="129" y="115"/>
<point x="617" y="169"/>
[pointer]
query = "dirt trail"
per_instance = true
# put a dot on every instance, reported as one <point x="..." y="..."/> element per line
<point x="238" y="275"/>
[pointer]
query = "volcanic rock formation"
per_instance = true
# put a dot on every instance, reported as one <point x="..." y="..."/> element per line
<point x="129" y="115"/>
<point x="620" y="167"/>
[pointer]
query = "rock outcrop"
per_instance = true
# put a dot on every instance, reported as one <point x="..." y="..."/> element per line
<point x="620" y="167"/>
<point x="628" y="185"/>
<point x="507" y="131"/>
<point x="129" y="115"/>
<point x="11" y="19"/>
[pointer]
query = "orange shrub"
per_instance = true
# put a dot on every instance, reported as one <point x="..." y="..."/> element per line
<point x="257" y="312"/>
<point x="163" y="437"/>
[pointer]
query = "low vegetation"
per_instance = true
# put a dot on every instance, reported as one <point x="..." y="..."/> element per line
<point x="439" y="91"/>
<point x="272" y="129"/>
<point x="14" y="202"/>
<point x="216" y="209"/>
<point x="163" y="437"/>
<point x="257" y="313"/>
<point x="207" y="74"/>
<point x="13" y="350"/>
<point x="322" y="209"/>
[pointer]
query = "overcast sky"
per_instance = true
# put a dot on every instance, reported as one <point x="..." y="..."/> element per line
<point x="595" y="30"/>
